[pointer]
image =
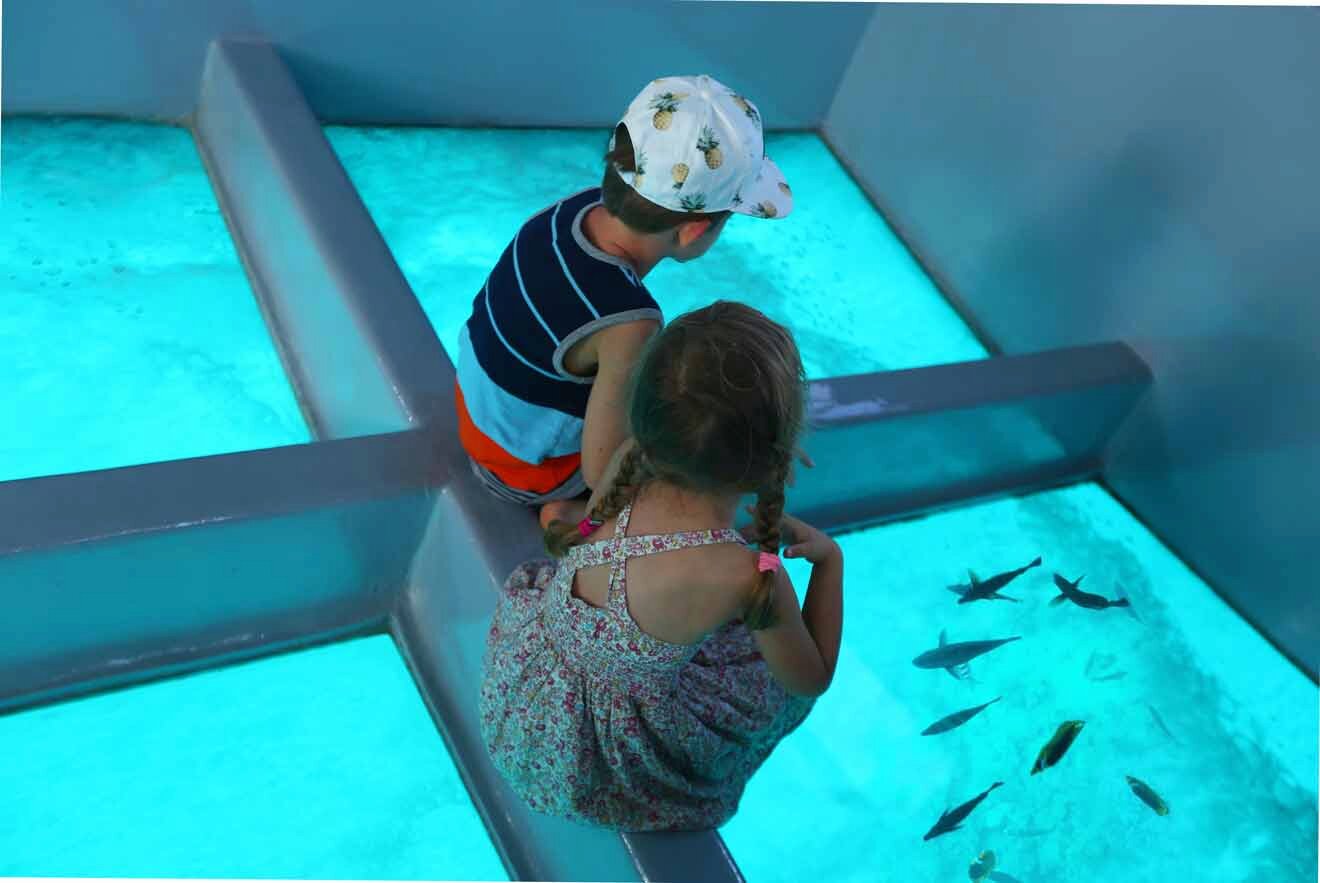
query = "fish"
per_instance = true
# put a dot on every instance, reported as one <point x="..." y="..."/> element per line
<point x="1148" y="795"/>
<point x="1068" y="591"/>
<point x="1058" y="745"/>
<point x="989" y="589"/>
<point x="1114" y="676"/>
<point x="948" y="656"/>
<point x="951" y="819"/>
<point x="981" y="866"/>
<point x="958" y="718"/>
<point x="1160" y="721"/>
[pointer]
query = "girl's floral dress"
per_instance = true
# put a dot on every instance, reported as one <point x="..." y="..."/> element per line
<point x="588" y="717"/>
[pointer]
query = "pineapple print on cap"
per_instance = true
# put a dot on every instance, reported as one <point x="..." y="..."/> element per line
<point x="709" y="146"/>
<point x="680" y="175"/>
<point x="693" y="203"/>
<point x="783" y="185"/>
<point x="745" y="105"/>
<point x="766" y="209"/>
<point x="640" y="174"/>
<point x="665" y="104"/>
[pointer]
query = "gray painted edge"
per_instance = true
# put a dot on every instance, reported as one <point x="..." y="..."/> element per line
<point x="84" y="507"/>
<point x="858" y="398"/>
<point x="256" y="131"/>
<point x="203" y="654"/>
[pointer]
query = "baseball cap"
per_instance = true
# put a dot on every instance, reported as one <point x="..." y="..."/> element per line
<point x="699" y="147"/>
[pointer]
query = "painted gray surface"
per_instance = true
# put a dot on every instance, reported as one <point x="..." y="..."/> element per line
<point x="1147" y="174"/>
<point x="897" y="443"/>
<point x="354" y="340"/>
<point x="469" y="63"/>
<point x="113" y="576"/>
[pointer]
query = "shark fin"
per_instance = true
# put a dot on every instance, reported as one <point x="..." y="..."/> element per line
<point x="944" y="638"/>
<point x="972" y="576"/>
<point x="1058" y="599"/>
<point x="958" y="590"/>
<point x="1000" y="597"/>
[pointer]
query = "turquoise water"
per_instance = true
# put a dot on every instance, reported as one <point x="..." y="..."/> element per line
<point x="448" y="202"/>
<point x="849" y="796"/>
<point x="128" y="332"/>
<point x="135" y="338"/>
<point x="322" y="764"/>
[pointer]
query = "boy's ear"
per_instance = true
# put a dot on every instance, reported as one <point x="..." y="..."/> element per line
<point x="690" y="231"/>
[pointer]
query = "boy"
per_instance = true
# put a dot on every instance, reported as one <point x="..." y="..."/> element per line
<point x="544" y="359"/>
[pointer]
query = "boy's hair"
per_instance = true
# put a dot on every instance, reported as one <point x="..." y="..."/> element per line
<point x="716" y="405"/>
<point x="629" y="206"/>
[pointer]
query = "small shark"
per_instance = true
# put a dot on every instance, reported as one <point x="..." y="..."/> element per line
<point x="989" y="589"/>
<point x="958" y="718"/>
<point x="949" y="656"/>
<point x="951" y="819"/>
<point x="1069" y="591"/>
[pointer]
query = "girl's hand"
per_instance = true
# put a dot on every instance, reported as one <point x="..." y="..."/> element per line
<point x="800" y="540"/>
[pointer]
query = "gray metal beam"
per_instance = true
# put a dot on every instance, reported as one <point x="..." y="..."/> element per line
<point x="896" y="443"/>
<point x="116" y="576"/>
<point x="355" y="341"/>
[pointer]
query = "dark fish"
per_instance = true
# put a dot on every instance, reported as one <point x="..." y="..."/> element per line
<point x="1058" y="745"/>
<point x="988" y="590"/>
<point x="1070" y="592"/>
<point x="981" y="866"/>
<point x="1160" y="721"/>
<point x="948" y="655"/>
<point x="957" y="719"/>
<point x="951" y="819"/>
<point x="1148" y="795"/>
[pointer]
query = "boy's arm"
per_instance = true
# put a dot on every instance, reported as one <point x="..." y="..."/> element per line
<point x="606" y="423"/>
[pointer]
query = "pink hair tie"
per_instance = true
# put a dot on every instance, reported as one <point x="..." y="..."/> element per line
<point x="586" y="526"/>
<point x="765" y="561"/>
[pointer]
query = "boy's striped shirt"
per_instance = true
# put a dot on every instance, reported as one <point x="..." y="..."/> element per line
<point x="520" y="412"/>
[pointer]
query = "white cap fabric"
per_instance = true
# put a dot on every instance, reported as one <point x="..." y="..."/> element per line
<point x="698" y="147"/>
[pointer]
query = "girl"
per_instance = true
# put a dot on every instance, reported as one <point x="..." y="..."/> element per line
<point x="639" y="690"/>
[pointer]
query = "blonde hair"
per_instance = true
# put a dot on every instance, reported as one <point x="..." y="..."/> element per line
<point x="716" y="405"/>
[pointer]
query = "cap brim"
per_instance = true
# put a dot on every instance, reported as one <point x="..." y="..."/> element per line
<point x="769" y="196"/>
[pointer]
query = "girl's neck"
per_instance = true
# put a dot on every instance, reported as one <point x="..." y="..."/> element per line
<point x="691" y="506"/>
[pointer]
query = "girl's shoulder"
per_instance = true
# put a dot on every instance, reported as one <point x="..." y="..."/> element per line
<point x="690" y="592"/>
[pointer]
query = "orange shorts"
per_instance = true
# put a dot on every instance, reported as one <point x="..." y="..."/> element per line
<point x="536" y="478"/>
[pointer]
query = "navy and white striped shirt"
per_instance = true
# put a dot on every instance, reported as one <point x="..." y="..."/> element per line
<point x="550" y="289"/>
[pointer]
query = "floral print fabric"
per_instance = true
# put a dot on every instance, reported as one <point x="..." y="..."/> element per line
<point x="588" y="717"/>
